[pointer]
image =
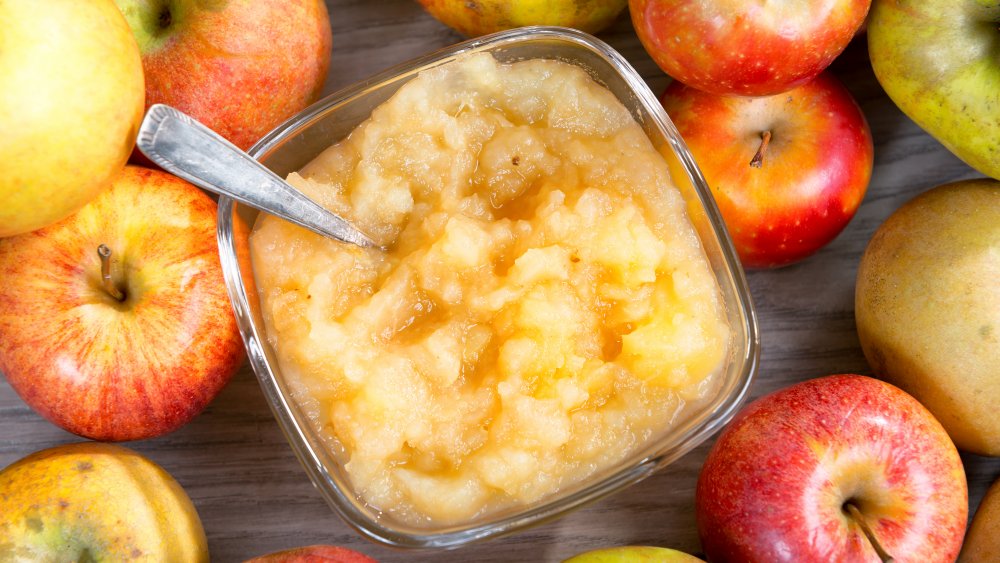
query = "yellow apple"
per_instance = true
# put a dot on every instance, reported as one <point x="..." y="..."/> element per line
<point x="96" y="502"/>
<point x="71" y="99"/>
<point x="634" y="554"/>
<point x="927" y="307"/>
<point x="982" y="542"/>
<point x="479" y="17"/>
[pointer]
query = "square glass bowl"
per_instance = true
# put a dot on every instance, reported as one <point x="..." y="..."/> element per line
<point x="300" y="139"/>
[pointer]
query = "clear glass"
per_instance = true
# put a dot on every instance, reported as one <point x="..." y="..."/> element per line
<point x="300" y="139"/>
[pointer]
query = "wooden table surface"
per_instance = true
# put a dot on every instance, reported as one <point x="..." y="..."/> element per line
<point x="251" y="493"/>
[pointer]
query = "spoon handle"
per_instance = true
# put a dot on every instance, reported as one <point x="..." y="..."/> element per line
<point x="184" y="147"/>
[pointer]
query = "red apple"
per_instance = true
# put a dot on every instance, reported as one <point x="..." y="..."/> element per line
<point x="746" y="47"/>
<point x="787" y="171"/>
<point x="128" y="366"/>
<point x="314" y="554"/>
<point x="239" y="67"/>
<point x="825" y="469"/>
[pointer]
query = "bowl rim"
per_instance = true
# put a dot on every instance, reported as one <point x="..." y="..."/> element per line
<point x="744" y="347"/>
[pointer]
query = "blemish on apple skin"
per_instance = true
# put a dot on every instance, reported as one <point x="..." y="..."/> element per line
<point x="84" y="466"/>
<point x="34" y="524"/>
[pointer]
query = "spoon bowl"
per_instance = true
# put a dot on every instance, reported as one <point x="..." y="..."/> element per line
<point x="181" y="145"/>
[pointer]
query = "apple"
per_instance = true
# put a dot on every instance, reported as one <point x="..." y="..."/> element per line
<point x="70" y="105"/>
<point x="633" y="554"/>
<point x="239" y="67"/>
<point x="314" y="554"/>
<point x="788" y="172"/>
<point x="481" y="17"/>
<point x="927" y="307"/>
<point x="95" y="502"/>
<point x="939" y="61"/>
<point x="135" y="355"/>
<point x="746" y="47"/>
<point x="982" y="542"/>
<point x="838" y="468"/>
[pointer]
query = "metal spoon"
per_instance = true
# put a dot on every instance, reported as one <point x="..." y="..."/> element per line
<point x="184" y="147"/>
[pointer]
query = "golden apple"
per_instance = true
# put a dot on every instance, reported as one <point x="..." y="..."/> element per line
<point x="634" y="554"/>
<point x="96" y="502"/>
<point x="479" y="17"/>
<point x="927" y="307"/>
<point x="71" y="99"/>
<point x="982" y="542"/>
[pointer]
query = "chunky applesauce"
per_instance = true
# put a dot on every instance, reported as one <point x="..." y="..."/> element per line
<point x="543" y="308"/>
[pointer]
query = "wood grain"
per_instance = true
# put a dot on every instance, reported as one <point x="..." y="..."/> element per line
<point x="254" y="498"/>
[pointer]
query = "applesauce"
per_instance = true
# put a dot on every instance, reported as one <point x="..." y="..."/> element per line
<point x="542" y="310"/>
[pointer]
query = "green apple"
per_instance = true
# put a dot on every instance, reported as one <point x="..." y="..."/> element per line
<point x="634" y="554"/>
<point x="71" y="99"/>
<point x="927" y="307"/>
<point x="939" y="61"/>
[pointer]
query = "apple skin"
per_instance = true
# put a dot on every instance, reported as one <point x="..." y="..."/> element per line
<point x="239" y="67"/>
<point x="110" y="370"/>
<point x="314" y="554"/>
<point x="634" y="554"/>
<point x="480" y="17"/>
<point x="813" y="177"/>
<point x="927" y="307"/>
<point x="776" y="482"/>
<point x="743" y="47"/>
<point x="982" y="543"/>
<point x="95" y="502"/>
<point x="939" y="61"/>
<point x="70" y="106"/>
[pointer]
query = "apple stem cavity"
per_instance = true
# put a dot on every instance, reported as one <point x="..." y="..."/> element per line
<point x="105" y="253"/>
<point x="758" y="158"/>
<point x="859" y="518"/>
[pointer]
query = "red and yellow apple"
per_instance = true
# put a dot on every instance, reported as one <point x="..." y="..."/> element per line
<point x="70" y="105"/>
<point x="480" y="17"/>
<point x="314" y="554"/>
<point x="634" y="554"/>
<point x="136" y="355"/>
<point x="96" y="502"/>
<point x="239" y="67"/>
<point x="746" y="47"/>
<point x="788" y="172"/>
<point x="828" y="469"/>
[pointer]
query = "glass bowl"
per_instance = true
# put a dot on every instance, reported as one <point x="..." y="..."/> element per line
<point x="300" y="139"/>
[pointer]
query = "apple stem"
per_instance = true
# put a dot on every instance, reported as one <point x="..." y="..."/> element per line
<point x="758" y="157"/>
<point x="860" y="520"/>
<point x="105" y="253"/>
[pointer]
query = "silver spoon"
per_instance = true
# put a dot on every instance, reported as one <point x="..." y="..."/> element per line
<point x="184" y="147"/>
